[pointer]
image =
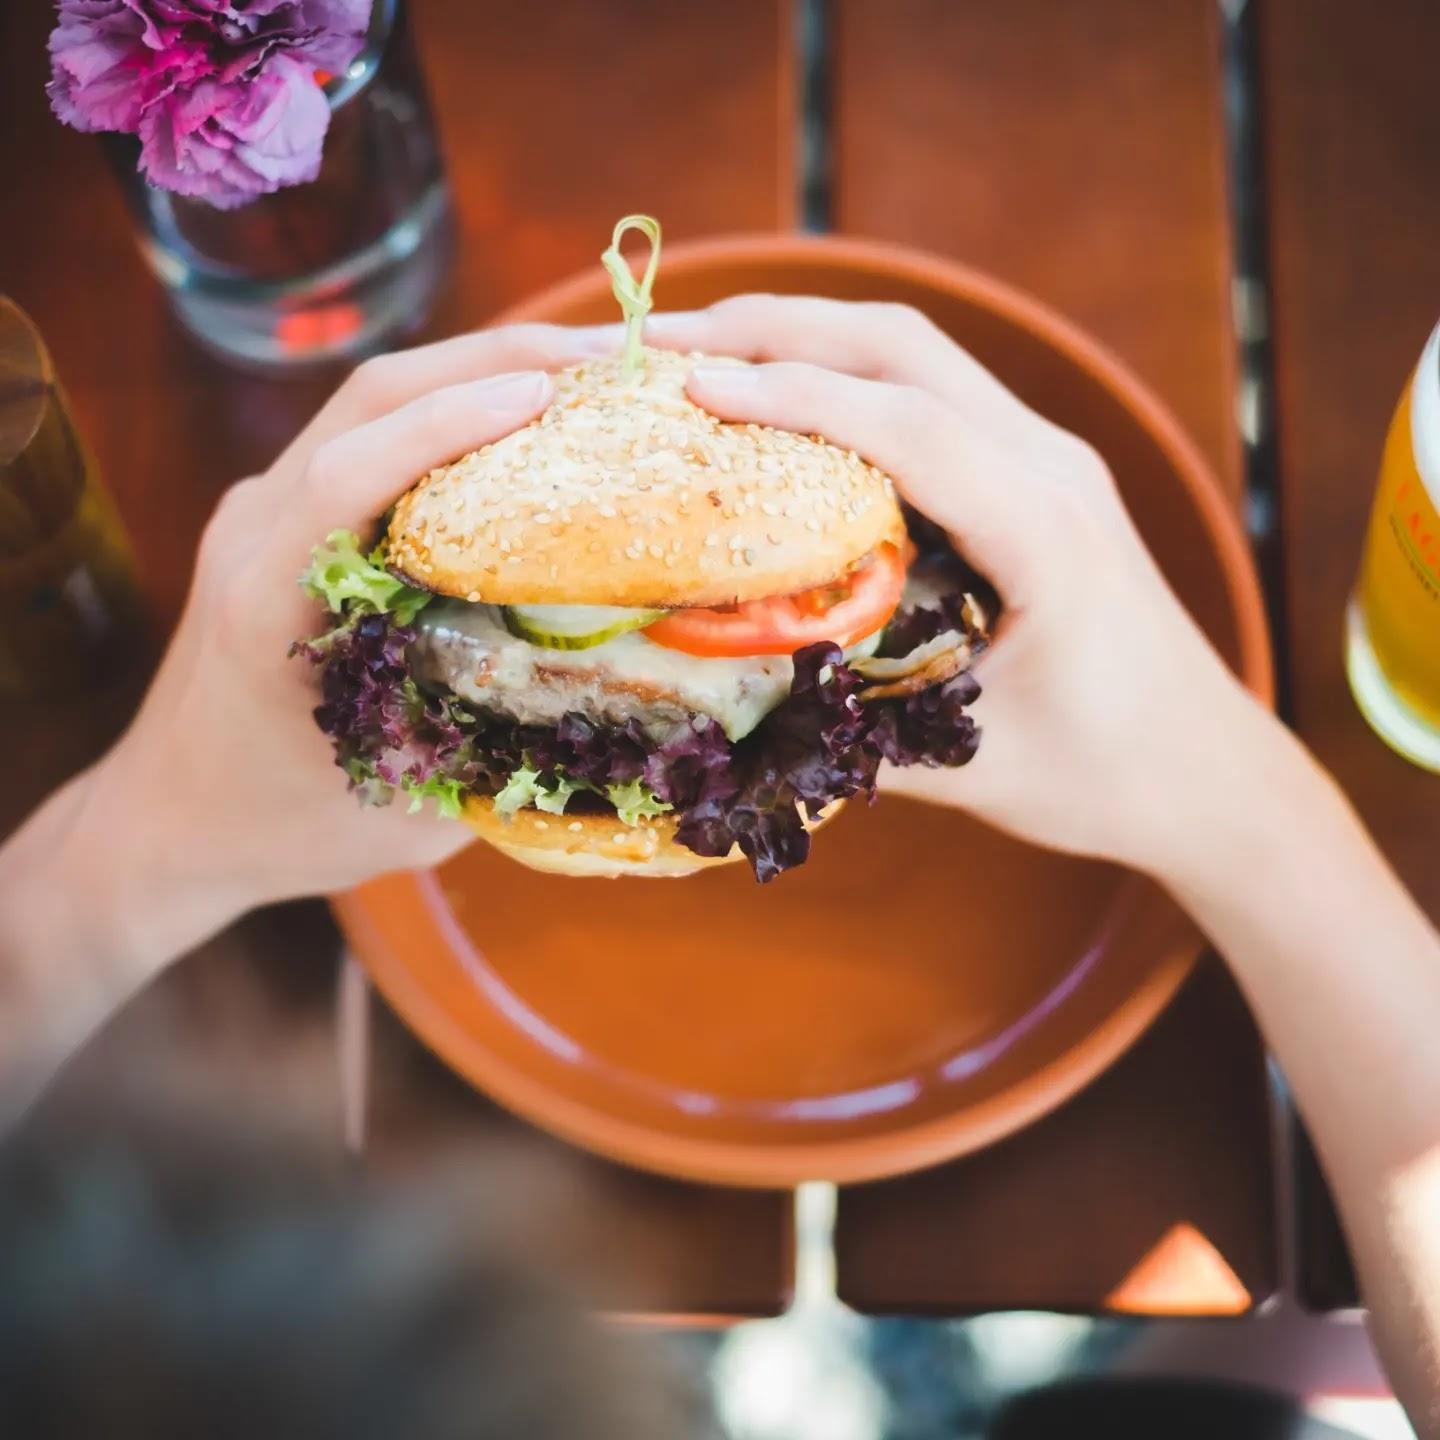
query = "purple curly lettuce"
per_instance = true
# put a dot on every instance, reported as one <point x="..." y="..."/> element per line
<point x="222" y="93"/>
<point x="812" y="749"/>
<point x="388" y="734"/>
<point x="819" y="745"/>
<point x="931" y="728"/>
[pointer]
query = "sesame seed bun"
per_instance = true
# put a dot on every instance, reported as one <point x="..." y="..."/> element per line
<point x="599" y="845"/>
<point x="627" y="493"/>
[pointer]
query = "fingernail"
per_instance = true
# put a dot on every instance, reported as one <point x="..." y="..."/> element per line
<point x="718" y="378"/>
<point x="668" y="322"/>
<point x="523" y="389"/>
<point x="597" y="339"/>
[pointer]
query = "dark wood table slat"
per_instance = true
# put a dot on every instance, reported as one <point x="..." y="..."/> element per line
<point x="1350" y="127"/>
<point x="1149" y="1193"/>
<point x="1076" y="151"/>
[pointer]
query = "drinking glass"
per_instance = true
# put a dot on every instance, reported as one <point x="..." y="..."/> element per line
<point x="325" y="271"/>
<point x="71" y="617"/>
<point x="1392" y="635"/>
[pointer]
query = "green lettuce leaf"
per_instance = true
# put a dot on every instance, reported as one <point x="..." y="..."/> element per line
<point x="518" y="791"/>
<point x="527" y="787"/>
<point x="341" y="576"/>
<point x="634" y="799"/>
<point x="448" y="795"/>
<point x="551" y="793"/>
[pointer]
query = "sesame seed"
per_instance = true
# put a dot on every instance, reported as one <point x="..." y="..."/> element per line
<point x="813" y="526"/>
<point x="542" y="824"/>
<point x="575" y="827"/>
<point x="749" y="557"/>
<point x="619" y="837"/>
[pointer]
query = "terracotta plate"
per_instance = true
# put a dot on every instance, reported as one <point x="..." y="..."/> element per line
<point x="924" y="986"/>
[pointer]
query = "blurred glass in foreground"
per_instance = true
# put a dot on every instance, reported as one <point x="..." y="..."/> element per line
<point x="71" y="618"/>
<point x="1392" y="637"/>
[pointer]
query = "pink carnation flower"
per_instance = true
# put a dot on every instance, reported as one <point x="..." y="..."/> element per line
<point x="222" y="93"/>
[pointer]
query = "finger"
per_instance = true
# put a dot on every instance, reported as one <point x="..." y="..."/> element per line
<point x="355" y="476"/>
<point x="387" y="382"/>
<point x="876" y="341"/>
<point x="948" y="470"/>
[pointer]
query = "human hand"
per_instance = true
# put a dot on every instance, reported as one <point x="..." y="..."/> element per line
<point x="1104" y="707"/>
<point x="224" y="790"/>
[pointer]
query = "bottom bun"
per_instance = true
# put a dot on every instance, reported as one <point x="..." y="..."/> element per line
<point x="597" y="844"/>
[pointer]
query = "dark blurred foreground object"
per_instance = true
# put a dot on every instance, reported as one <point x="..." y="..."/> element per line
<point x="173" y="1276"/>
<point x="322" y="272"/>
<point x="70" y="610"/>
<point x="1149" y="1409"/>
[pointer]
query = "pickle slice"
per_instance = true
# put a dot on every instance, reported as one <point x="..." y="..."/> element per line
<point x="574" y="627"/>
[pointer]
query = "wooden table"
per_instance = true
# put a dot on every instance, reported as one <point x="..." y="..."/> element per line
<point x="1081" y="151"/>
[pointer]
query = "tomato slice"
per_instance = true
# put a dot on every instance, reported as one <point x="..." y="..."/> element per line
<point x="843" y="611"/>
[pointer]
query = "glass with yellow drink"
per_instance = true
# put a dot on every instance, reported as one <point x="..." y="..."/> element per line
<point x="71" y="616"/>
<point x="1392" y="649"/>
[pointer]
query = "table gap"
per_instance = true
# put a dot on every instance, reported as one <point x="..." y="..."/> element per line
<point x="814" y="39"/>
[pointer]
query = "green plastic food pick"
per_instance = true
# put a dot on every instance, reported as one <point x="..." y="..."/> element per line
<point x="635" y="301"/>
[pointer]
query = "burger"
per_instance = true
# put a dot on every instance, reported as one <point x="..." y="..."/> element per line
<point x="632" y="639"/>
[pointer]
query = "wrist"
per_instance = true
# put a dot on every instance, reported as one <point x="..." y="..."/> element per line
<point x="1245" y="799"/>
<point x="138" y="871"/>
<point x="69" y="949"/>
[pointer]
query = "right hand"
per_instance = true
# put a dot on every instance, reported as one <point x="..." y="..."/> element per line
<point x="1110" y="726"/>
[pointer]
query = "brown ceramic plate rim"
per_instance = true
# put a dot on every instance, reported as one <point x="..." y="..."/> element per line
<point x="922" y="1143"/>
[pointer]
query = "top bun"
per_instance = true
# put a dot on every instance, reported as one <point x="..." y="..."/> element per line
<point x="625" y="492"/>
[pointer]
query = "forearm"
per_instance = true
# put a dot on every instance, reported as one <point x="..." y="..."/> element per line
<point x="87" y="918"/>
<point x="1343" y="971"/>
